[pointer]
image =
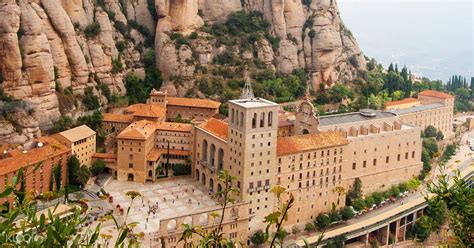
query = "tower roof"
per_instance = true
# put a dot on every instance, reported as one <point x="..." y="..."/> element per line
<point x="247" y="92"/>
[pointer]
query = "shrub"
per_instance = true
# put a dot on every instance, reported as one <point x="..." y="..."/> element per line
<point x="309" y="227"/>
<point x="347" y="213"/>
<point x="97" y="167"/>
<point x="117" y="65"/>
<point x="358" y="204"/>
<point x="378" y="197"/>
<point x="306" y="2"/>
<point x="121" y="45"/>
<point x="90" y="100"/>
<point x="295" y="230"/>
<point x="259" y="238"/>
<point x="193" y="36"/>
<point x="181" y="169"/>
<point x="121" y="27"/>
<point x="323" y="221"/>
<point x="422" y="228"/>
<point x="92" y="30"/>
<point x="334" y="216"/>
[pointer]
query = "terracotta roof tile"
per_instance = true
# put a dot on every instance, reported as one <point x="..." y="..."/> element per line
<point x="173" y="126"/>
<point x="404" y="101"/>
<point x="138" y="130"/>
<point x="436" y="94"/>
<point x="309" y="142"/>
<point x="216" y="127"/>
<point x="104" y="155"/>
<point x="193" y="102"/>
<point x="117" y="118"/>
<point x="146" y="110"/>
<point x="156" y="153"/>
<point x="15" y="159"/>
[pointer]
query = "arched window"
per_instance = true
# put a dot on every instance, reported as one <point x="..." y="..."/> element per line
<point x="232" y="116"/>
<point x="204" y="151"/>
<point x="241" y="119"/>
<point x="212" y="155"/>
<point x="211" y="184"/>
<point x="197" y="175"/>
<point x="150" y="173"/>
<point x="254" y="120"/>
<point x="262" y="119"/>
<point x="220" y="159"/>
<point x="203" y="178"/>
<point x="270" y="118"/>
<point x="237" y="117"/>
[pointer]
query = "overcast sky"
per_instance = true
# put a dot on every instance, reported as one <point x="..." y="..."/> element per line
<point x="434" y="38"/>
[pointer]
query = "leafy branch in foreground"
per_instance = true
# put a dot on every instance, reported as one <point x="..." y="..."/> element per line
<point x="214" y="237"/>
<point x="459" y="199"/>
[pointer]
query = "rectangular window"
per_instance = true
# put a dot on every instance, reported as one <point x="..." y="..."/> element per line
<point x="387" y="159"/>
<point x="375" y="162"/>
<point x="130" y="165"/>
<point x="364" y="164"/>
<point x="353" y="166"/>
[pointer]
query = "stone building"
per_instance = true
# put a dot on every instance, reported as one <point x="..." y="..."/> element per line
<point x="187" y="108"/>
<point x="431" y="108"/>
<point x="48" y="152"/>
<point x="81" y="140"/>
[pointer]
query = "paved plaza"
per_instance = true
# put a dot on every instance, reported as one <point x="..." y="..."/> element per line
<point x="169" y="198"/>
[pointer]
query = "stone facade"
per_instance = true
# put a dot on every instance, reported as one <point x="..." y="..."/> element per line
<point x="435" y="108"/>
<point x="82" y="141"/>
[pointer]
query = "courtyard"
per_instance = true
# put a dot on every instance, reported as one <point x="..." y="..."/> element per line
<point x="161" y="200"/>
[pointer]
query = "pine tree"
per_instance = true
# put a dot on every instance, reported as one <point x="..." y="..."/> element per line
<point x="390" y="67"/>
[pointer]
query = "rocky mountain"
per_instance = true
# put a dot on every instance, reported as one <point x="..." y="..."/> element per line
<point x="53" y="51"/>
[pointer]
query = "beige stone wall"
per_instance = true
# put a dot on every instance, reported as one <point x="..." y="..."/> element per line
<point x="131" y="159"/>
<point x="189" y="113"/>
<point x="306" y="121"/>
<point x="252" y="151"/>
<point x="312" y="178"/>
<point x="178" y="140"/>
<point x="234" y="226"/>
<point x="84" y="149"/>
<point x="439" y="118"/>
<point x="383" y="159"/>
<point x="114" y="127"/>
<point x="206" y="164"/>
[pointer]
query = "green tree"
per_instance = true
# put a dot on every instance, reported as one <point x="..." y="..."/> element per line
<point x="73" y="166"/>
<point x="422" y="228"/>
<point x="436" y="211"/>
<point x="97" y="167"/>
<point x="323" y="221"/>
<point x="359" y="204"/>
<point x="83" y="175"/>
<point x="355" y="192"/>
<point x="459" y="199"/>
<point x="92" y="30"/>
<point x="90" y="100"/>
<point x="57" y="171"/>
<point x="347" y="213"/>
<point x="259" y="238"/>
<point x="430" y="132"/>
<point x="439" y="135"/>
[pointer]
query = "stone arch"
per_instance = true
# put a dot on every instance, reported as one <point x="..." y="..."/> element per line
<point x="262" y="119"/>
<point x="212" y="157"/>
<point x="150" y="173"/>
<point x="130" y="177"/>
<point x="203" y="178"/>
<point x="270" y="118"/>
<point x="220" y="159"/>
<point x="254" y="120"/>
<point x="203" y="219"/>
<point x="305" y="131"/>
<point x="232" y="116"/>
<point x="219" y="187"/>
<point x="197" y="174"/>
<point x="211" y="184"/>
<point x="171" y="226"/>
<point x="188" y="221"/>
<point x="204" y="151"/>
<point x="241" y="119"/>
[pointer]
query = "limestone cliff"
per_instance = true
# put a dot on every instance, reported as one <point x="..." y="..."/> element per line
<point x="52" y="50"/>
<point x="311" y="36"/>
<point x="50" y="53"/>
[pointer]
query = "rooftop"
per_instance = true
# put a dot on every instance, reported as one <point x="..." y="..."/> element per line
<point x="352" y="117"/>
<point x="216" y="127"/>
<point x="173" y="126"/>
<point x="146" y="110"/>
<point x="417" y="108"/>
<point x="253" y="103"/>
<point x="404" y="101"/>
<point x="309" y="142"/>
<point x="138" y="130"/>
<point x="77" y="133"/>
<point x="117" y="118"/>
<point x="193" y="102"/>
<point x="436" y="94"/>
<point x="15" y="159"/>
